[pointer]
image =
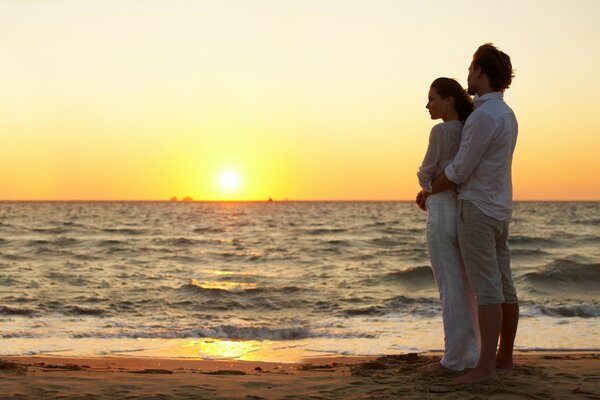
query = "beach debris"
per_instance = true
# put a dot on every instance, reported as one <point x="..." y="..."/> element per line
<point x="399" y="363"/>
<point x="259" y="369"/>
<point x="62" y="367"/>
<point x="312" y="367"/>
<point x="365" y="368"/>
<point x="152" y="371"/>
<point x="8" y="366"/>
<point x="441" y="389"/>
<point x="585" y="392"/>
<point x="402" y="357"/>
<point x="224" y="372"/>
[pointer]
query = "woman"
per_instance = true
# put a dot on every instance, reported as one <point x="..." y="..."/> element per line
<point x="449" y="101"/>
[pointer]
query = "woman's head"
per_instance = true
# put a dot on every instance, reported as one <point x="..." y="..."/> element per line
<point x="446" y="98"/>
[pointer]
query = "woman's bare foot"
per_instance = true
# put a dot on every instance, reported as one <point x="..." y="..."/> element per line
<point x="504" y="363"/>
<point x="436" y="366"/>
<point x="476" y="375"/>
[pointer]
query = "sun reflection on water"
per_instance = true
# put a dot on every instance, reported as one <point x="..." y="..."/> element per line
<point x="220" y="272"/>
<point x="222" y="349"/>
<point x="223" y="285"/>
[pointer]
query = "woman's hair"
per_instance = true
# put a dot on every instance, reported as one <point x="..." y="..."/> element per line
<point x="447" y="87"/>
<point x="495" y="64"/>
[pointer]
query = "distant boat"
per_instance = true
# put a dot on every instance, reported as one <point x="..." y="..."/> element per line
<point x="270" y="200"/>
<point x="173" y="199"/>
<point x="187" y="199"/>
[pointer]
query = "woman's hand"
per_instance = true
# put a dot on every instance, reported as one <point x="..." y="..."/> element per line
<point x="421" y="199"/>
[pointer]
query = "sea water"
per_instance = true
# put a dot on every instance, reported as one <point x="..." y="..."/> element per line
<point x="271" y="281"/>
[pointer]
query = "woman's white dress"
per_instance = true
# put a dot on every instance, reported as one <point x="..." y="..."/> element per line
<point x="459" y="308"/>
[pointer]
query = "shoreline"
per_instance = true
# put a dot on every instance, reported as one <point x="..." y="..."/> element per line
<point x="538" y="375"/>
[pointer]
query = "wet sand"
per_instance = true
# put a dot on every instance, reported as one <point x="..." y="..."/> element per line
<point x="541" y="375"/>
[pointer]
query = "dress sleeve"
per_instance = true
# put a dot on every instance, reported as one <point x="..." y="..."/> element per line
<point x="432" y="158"/>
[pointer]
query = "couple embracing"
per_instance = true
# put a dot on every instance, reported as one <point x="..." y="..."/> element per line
<point x="467" y="193"/>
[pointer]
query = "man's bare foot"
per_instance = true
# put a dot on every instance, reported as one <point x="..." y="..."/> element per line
<point x="504" y="363"/>
<point x="476" y="375"/>
<point x="436" y="366"/>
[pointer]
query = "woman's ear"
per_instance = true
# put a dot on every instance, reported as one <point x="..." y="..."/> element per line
<point x="451" y="102"/>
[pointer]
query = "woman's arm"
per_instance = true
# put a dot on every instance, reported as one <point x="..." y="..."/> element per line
<point x="432" y="158"/>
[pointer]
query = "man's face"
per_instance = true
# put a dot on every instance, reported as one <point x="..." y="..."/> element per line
<point x="472" y="80"/>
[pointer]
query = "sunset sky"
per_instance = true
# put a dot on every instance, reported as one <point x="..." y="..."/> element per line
<point x="302" y="100"/>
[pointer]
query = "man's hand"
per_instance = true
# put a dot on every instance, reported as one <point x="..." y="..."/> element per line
<point x="421" y="199"/>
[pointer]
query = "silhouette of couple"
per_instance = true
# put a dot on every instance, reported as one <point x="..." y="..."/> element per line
<point x="467" y="192"/>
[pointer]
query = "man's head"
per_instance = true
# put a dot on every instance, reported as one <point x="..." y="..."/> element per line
<point x="491" y="70"/>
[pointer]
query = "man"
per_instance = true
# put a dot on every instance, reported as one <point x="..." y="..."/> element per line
<point x="481" y="171"/>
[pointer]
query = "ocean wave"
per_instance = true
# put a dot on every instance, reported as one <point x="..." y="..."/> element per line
<point x="564" y="271"/>
<point x="523" y="240"/>
<point x="14" y="257"/>
<point x="69" y="278"/>
<point x="218" y="332"/>
<point x="176" y="242"/>
<point x="5" y="310"/>
<point x="272" y="289"/>
<point x="422" y="274"/>
<point x="6" y="280"/>
<point x="111" y="243"/>
<point x="372" y="310"/>
<point x="386" y="242"/>
<point x="209" y="230"/>
<point x="587" y="221"/>
<point x="18" y="335"/>
<point x="51" y="231"/>
<point x="78" y="310"/>
<point x="231" y="286"/>
<point x="37" y="242"/>
<point x="125" y="231"/>
<point x="52" y="251"/>
<point x="338" y="243"/>
<point x="563" y="310"/>
<point x="324" y="231"/>
<point x="66" y="241"/>
<point x="522" y="252"/>
<point x="421" y="306"/>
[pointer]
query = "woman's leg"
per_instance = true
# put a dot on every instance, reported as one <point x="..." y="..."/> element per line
<point x="461" y="348"/>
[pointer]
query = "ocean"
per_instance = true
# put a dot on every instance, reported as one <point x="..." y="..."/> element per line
<point x="270" y="281"/>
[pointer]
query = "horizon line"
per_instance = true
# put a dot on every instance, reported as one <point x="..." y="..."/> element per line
<point x="257" y="201"/>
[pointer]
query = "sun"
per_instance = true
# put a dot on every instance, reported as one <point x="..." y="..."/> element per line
<point x="229" y="181"/>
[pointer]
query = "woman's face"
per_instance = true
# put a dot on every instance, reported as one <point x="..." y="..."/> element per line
<point x="437" y="106"/>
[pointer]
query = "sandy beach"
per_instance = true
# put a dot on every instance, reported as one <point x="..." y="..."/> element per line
<point x="537" y="376"/>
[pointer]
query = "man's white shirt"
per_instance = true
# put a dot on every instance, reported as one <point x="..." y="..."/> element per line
<point x="482" y="166"/>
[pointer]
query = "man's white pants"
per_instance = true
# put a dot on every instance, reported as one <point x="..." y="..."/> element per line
<point x="459" y="308"/>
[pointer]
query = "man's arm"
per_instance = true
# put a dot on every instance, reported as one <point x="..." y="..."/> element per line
<point x="439" y="184"/>
<point x="477" y="135"/>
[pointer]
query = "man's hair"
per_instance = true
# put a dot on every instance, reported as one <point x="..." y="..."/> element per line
<point x="495" y="64"/>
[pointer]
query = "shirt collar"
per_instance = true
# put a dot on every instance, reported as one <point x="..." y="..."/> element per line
<point x="479" y="100"/>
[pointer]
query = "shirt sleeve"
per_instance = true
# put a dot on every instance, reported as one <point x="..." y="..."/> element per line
<point x="477" y="135"/>
<point x="432" y="158"/>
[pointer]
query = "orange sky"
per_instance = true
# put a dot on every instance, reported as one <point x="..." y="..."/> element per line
<point x="304" y="100"/>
